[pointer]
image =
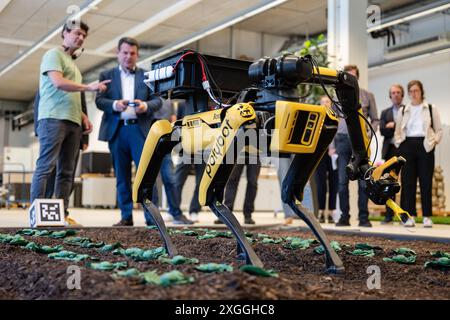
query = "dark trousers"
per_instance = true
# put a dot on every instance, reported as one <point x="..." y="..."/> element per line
<point x="125" y="147"/>
<point x="419" y="164"/>
<point x="327" y="181"/>
<point x="181" y="174"/>
<point x="170" y="186"/>
<point x="59" y="145"/>
<point x="391" y="152"/>
<point x="50" y="187"/>
<point x="252" y="187"/>
<point x="344" y="151"/>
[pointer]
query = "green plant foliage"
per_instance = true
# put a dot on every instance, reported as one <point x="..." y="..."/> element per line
<point x="176" y="260"/>
<point x="400" y="258"/>
<point x="68" y="255"/>
<point x="362" y="252"/>
<point x="43" y="249"/>
<point x="106" y="265"/>
<point x="334" y="245"/>
<point x="257" y="271"/>
<point x="405" y="251"/>
<point x="298" y="243"/>
<point x="214" y="267"/>
<point x="366" y="246"/>
<point x="320" y="54"/>
<point x="442" y="263"/>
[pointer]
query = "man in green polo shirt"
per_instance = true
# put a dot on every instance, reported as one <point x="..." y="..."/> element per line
<point x="61" y="120"/>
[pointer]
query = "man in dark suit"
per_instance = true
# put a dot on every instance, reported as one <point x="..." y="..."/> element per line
<point x="128" y="107"/>
<point x="387" y="129"/>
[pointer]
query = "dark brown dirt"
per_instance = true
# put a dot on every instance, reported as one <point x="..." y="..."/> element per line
<point x="28" y="275"/>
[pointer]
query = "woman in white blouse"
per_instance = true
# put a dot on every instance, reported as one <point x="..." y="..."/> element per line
<point x="418" y="130"/>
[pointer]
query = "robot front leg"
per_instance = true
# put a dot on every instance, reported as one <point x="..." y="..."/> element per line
<point x="217" y="172"/>
<point x="244" y="247"/>
<point x="293" y="184"/>
<point x="151" y="209"/>
<point x="333" y="262"/>
<point x="158" y="143"/>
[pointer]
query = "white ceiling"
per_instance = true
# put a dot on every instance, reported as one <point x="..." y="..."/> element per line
<point x="24" y="22"/>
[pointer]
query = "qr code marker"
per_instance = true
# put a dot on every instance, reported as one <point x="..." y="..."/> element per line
<point x="50" y="212"/>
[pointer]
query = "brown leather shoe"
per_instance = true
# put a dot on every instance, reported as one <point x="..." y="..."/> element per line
<point x="124" y="223"/>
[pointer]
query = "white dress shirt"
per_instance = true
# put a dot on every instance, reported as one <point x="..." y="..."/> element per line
<point x="127" y="80"/>
<point x="414" y="127"/>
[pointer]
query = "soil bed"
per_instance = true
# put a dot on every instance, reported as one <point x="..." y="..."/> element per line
<point x="28" y="275"/>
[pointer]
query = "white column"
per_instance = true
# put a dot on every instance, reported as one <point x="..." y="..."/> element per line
<point x="347" y="35"/>
<point x="347" y="44"/>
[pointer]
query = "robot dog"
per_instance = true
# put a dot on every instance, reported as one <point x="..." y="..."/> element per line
<point x="271" y="107"/>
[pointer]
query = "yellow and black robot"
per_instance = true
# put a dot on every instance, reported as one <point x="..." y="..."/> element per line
<point x="271" y="107"/>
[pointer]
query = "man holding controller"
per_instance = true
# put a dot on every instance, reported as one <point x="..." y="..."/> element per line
<point x="128" y="107"/>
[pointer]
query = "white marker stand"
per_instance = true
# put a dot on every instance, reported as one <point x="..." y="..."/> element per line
<point x="47" y="213"/>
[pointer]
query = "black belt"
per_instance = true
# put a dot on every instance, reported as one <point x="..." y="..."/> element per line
<point x="415" y="138"/>
<point x="127" y="122"/>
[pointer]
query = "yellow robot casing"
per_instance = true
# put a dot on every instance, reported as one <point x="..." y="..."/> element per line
<point x="332" y="73"/>
<point x="363" y="126"/>
<point x="298" y="126"/>
<point x="157" y="130"/>
<point x="235" y="117"/>
<point x="199" y="131"/>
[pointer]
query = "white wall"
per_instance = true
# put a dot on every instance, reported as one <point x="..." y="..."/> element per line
<point x="433" y="71"/>
<point x="21" y="138"/>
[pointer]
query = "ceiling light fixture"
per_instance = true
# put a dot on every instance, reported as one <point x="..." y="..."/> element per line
<point x="245" y="14"/>
<point x="3" y="4"/>
<point x="153" y="21"/>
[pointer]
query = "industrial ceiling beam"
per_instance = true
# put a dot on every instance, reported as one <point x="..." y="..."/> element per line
<point x="238" y="17"/>
<point x="89" y="4"/>
<point x="151" y="22"/>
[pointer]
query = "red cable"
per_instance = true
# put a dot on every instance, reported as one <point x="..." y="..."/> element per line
<point x="181" y="58"/>
<point x="201" y="64"/>
<point x="203" y="70"/>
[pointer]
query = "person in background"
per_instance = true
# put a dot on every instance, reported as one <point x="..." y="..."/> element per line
<point x="387" y="129"/>
<point x="182" y="171"/>
<point x="252" y="172"/>
<point x="418" y="130"/>
<point x="167" y="171"/>
<point x="128" y="108"/>
<point x="344" y="151"/>
<point x="84" y="143"/>
<point x="326" y="175"/>
<point x="61" y="120"/>
<point x="282" y="164"/>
